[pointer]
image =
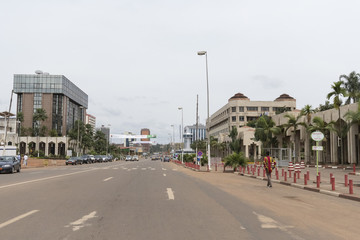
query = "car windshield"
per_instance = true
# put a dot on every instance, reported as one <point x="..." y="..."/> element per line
<point x="6" y="159"/>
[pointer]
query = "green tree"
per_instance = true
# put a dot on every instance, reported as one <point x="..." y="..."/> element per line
<point x="324" y="107"/>
<point x="293" y="123"/>
<point x="100" y="142"/>
<point x="265" y="130"/>
<point x="307" y="111"/>
<point x="235" y="144"/>
<point x="337" y="92"/>
<point x="38" y="117"/>
<point x="235" y="160"/>
<point x="352" y="86"/>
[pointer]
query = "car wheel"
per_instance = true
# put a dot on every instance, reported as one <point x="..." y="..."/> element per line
<point x="19" y="169"/>
<point x="12" y="170"/>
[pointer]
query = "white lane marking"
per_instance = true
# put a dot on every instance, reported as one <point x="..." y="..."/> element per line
<point x="164" y="175"/>
<point x="80" y="223"/>
<point x="115" y="168"/>
<point x="153" y="169"/>
<point x="17" y="218"/>
<point x="107" y="179"/>
<point x="35" y="172"/>
<point x="134" y="168"/>
<point x="174" y="169"/>
<point x="43" y="179"/>
<point x="267" y="222"/>
<point x="170" y="194"/>
<point x="143" y="169"/>
<point x="164" y="169"/>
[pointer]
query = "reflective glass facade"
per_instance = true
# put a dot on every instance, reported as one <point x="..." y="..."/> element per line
<point x="43" y="83"/>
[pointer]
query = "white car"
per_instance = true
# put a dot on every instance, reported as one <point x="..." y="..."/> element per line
<point x="135" y="158"/>
<point x="128" y="158"/>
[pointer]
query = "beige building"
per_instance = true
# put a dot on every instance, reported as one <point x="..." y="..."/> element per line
<point x="238" y="112"/>
<point x="331" y="143"/>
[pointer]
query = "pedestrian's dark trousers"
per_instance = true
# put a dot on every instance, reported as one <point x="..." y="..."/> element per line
<point x="268" y="174"/>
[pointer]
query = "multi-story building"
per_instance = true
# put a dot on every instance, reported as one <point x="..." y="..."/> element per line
<point x="238" y="112"/>
<point x="106" y="131"/>
<point x="90" y="119"/>
<point x="201" y="132"/>
<point x="145" y="146"/>
<point x="62" y="100"/>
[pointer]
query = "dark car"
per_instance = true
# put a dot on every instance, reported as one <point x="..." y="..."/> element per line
<point x="85" y="159"/>
<point x="9" y="164"/>
<point x="98" y="158"/>
<point x="166" y="159"/>
<point x="74" y="161"/>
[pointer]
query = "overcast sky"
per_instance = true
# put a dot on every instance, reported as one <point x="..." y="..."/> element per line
<point x="137" y="59"/>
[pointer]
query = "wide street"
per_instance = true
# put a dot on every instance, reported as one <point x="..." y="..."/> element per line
<point x="156" y="200"/>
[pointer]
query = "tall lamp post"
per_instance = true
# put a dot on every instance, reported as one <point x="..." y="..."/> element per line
<point x="200" y="53"/>
<point x="182" y="134"/>
<point x="173" y="137"/>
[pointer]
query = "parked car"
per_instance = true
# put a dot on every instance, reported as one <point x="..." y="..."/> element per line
<point x="135" y="158"/>
<point x="166" y="159"/>
<point x="98" y="158"/>
<point x="74" y="161"/>
<point x="128" y="158"/>
<point x="9" y="164"/>
<point x="85" y="159"/>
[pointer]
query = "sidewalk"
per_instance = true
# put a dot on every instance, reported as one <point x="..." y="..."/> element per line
<point x="325" y="185"/>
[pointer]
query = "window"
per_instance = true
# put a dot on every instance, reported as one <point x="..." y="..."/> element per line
<point x="251" y="118"/>
<point x="233" y="109"/>
<point x="265" y="109"/>
<point x="241" y="109"/>
<point x="241" y="118"/>
<point x="233" y="119"/>
<point x="253" y="109"/>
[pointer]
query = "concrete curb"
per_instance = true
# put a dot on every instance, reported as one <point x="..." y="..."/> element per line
<point x="322" y="191"/>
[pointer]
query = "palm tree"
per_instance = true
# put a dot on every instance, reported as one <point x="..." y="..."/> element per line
<point x="337" y="92"/>
<point x="264" y="130"/>
<point x="38" y="117"/>
<point x="352" y="86"/>
<point x="294" y="123"/>
<point x="307" y="111"/>
<point x="354" y="118"/>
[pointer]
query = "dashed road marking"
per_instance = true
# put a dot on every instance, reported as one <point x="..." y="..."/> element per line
<point x="17" y="218"/>
<point x="164" y="175"/>
<point x="107" y="179"/>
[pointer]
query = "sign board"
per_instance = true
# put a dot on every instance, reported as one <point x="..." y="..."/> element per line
<point x="317" y="148"/>
<point x="317" y="136"/>
<point x="200" y="153"/>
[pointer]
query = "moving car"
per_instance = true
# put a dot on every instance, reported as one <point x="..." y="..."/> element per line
<point x="9" y="164"/>
<point x="135" y="158"/>
<point x="74" y="161"/>
<point x="166" y="159"/>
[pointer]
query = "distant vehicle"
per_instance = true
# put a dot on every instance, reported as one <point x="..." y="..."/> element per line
<point x="98" y="158"/>
<point x="166" y="159"/>
<point x="9" y="164"/>
<point x="128" y="158"/>
<point x="135" y="158"/>
<point x="74" y="161"/>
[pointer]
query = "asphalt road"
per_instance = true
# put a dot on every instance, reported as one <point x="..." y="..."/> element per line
<point x="156" y="200"/>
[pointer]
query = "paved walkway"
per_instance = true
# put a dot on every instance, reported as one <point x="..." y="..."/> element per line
<point x="311" y="185"/>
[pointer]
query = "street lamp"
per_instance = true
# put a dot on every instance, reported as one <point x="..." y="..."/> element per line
<point x="182" y="134"/>
<point x="173" y="137"/>
<point x="200" y="53"/>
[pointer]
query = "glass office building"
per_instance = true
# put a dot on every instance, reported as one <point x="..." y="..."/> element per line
<point x="62" y="100"/>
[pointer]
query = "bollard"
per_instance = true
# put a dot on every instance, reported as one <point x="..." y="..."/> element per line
<point x="285" y="177"/>
<point x="346" y="180"/>
<point x="294" y="178"/>
<point x="318" y="181"/>
<point x="308" y="175"/>
<point x="331" y="175"/>
<point x="259" y="171"/>
<point x="277" y="174"/>
<point x="354" y="169"/>
<point x="333" y="183"/>
<point x="248" y="169"/>
<point x="305" y="179"/>
<point x="264" y="173"/>
<point x="282" y="172"/>
<point x="298" y="174"/>
<point x="289" y="174"/>
<point x="351" y="190"/>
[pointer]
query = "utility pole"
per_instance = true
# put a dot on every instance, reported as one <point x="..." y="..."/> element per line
<point x="197" y="125"/>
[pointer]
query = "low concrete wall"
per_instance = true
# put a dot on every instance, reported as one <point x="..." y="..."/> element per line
<point x="35" y="162"/>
